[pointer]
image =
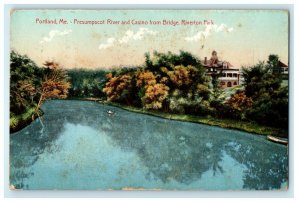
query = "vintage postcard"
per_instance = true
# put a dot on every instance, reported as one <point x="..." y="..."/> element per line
<point x="149" y="99"/>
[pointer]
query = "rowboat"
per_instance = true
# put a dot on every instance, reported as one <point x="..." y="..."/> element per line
<point x="110" y="112"/>
<point x="277" y="140"/>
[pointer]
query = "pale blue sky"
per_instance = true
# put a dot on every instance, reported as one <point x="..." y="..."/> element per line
<point x="239" y="36"/>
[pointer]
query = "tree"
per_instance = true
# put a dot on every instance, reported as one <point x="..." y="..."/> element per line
<point x="169" y="60"/>
<point x="239" y="101"/>
<point x="154" y="86"/>
<point x="145" y="78"/>
<point x="254" y="79"/>
<point x="237" y="105"/>
<point x="182" y="76"/>
<point x="54" y="84"/>
<point x="271" y="109"/>
<point x="117" y="87"/>
<point x="24" y="82"/>
<point x="86" y="82"/>
<point x="261" y="78"/>
<point x="155" y="96"/>
<point x="262" y="84"/>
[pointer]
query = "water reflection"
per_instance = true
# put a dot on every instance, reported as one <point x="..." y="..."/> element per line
<point x="167" y="154"/>
<point x="266" y="169"/>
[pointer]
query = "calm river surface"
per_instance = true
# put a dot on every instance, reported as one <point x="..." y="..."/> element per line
<point x="79" y="146"/>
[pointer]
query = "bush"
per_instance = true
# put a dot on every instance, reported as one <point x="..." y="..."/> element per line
<point x="271" y="110"/>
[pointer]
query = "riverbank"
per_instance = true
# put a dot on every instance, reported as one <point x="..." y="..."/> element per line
<point x="17" y="122"/>
<point x="21" y="121"/>
<point x="250" y="127"/>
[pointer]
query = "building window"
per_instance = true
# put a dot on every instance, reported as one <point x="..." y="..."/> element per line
<point x="223" y="75"/>
<point x="235" y="75"/>
<point x="235" y="83"/>
<point x="229" y="84"/>
<point x="229" y="74"/>
<point x="222" y="83"/>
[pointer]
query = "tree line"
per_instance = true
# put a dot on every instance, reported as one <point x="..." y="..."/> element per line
<point x="176" y="83"/>
<point x="168" y="82"/>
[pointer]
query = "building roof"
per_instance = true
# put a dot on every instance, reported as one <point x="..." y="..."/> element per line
<point x="218" y="63"/>
<point x="229" y="64"/>
<point x="282" y="64"/>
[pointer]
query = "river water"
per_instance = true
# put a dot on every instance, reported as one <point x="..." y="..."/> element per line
<point x="79" y="146"/>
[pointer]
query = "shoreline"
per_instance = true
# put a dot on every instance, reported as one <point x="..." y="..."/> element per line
<point x="18" y="122"/>
<point x="244" y="126"/>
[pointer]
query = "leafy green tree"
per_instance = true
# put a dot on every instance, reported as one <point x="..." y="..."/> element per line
<point x="254" y="79"/>
<point x="271" y="109"/>
<point x="87" y="83"/>
<point x="24" y="83"/>
<point x="262" y="84"/>
<point x="169" y="60"/>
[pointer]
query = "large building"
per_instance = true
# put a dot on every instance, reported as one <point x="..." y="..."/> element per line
<point x="228" y="75"/>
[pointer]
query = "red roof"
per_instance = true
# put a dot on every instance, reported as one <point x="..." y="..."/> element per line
<point x="282" y="64"/>
<point x="209" y="63"/>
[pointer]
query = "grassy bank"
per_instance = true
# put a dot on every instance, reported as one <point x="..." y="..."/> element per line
<point x="17" y="122"/>
<point x="224" y="123"/>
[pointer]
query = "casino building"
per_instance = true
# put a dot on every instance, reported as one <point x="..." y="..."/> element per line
<point x="229" y="76"/>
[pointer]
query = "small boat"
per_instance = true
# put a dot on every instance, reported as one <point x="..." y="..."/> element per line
<point x="277" y="140"/>
<point x="110" y="112"/>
